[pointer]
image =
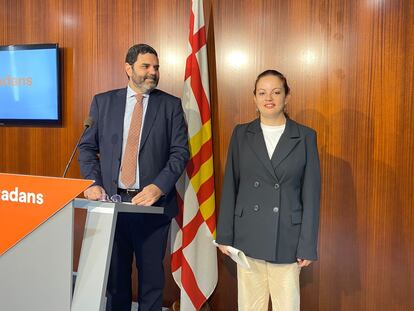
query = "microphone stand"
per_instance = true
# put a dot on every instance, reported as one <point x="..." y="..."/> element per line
<point x="86" y="126"/>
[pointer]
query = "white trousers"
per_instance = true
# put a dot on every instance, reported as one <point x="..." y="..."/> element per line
<point x="280" y="281"/>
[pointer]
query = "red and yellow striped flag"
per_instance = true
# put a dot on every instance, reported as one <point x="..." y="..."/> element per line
<point x="194" y="257"/>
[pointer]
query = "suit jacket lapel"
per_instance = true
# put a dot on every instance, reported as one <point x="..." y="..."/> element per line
<point x="256" y="141"/>
<point x="150" y="114"/>
<point x="287" y="142"/>
<point x="117" y="113"/>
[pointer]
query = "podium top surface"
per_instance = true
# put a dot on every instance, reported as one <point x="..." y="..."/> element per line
<point x="122" y="207"/>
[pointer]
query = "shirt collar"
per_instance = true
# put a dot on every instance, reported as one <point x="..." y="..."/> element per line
<point x="132" y="93"/>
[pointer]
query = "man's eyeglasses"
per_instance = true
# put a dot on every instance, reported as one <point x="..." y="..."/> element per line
<point x="116" y="198"/>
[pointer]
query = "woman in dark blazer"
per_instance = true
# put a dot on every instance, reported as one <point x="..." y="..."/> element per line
<point x="270" y="199"/>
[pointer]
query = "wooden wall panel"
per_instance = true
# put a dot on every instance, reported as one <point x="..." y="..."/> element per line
<point x="350" y="65"/>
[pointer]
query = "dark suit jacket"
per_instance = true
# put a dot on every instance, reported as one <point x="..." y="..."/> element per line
<point x="163" y="148"/>
<point x="270" y="207"/>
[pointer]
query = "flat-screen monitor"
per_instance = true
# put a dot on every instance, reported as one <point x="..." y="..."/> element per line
<point x="30" y="85"/>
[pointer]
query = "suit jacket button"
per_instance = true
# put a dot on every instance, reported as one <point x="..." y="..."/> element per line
<point x="276" y="186"/>
<point x="256" y="208"/>
<point x="275" y="210"/>
<point x="256" y="184"/>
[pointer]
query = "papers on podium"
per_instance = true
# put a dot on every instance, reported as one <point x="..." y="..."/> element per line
<point x="237" y="255"/>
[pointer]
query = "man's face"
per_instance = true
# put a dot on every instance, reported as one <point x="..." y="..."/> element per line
<point x="143" y="74"/>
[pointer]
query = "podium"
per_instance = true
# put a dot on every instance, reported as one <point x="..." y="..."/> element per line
<point x="96" y="250"/>
<point x="36" y="244"/>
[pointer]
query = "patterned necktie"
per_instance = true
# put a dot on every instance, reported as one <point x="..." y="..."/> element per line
<point x="129" y="161"/>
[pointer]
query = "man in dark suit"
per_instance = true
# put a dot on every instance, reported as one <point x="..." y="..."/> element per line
<point x="137" y="148"/>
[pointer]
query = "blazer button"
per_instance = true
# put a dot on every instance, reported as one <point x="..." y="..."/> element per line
<point x="276" y="186"/>
<point x="256" y="208"/>
<point x="275" y="210"/>
<point x="256" y="184"/>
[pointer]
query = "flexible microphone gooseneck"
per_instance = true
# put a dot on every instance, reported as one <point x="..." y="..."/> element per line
<point x="86" y="124"/>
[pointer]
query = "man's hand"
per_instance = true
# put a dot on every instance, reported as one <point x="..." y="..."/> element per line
<point x="303" y="262"/>
<point x="148" y="196"/>
<point x="94" y="193"/>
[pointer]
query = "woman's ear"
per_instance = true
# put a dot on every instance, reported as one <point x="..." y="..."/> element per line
<point x="287" y="99"/>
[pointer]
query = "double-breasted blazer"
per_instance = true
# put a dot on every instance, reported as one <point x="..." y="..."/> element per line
<point x="270" y="207"/>
<point x="163" y="151"/>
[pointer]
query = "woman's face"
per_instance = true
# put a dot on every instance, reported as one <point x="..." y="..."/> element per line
<point x="270" y="98"/>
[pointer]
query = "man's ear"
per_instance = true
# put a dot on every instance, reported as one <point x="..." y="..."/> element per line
<point x="128" y="69"/>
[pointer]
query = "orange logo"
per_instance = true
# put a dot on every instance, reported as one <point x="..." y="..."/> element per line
<point x="28" y="201"/>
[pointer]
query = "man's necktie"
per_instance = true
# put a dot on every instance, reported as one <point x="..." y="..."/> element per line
<point x="129" y="160"/>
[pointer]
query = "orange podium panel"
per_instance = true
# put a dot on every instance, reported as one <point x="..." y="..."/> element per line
<point x="28" y="201"/>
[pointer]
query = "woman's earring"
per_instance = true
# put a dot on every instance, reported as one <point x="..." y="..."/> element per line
<point x="285" y="112"/>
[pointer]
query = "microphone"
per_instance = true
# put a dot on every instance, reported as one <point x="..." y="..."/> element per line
<point x="86" y="124"/>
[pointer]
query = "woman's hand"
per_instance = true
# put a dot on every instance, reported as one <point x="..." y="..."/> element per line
<point x="224" y="249"/>
<point x="303" y="262"/>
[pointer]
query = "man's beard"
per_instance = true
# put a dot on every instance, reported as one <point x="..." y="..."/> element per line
<point x="145" y="87"/>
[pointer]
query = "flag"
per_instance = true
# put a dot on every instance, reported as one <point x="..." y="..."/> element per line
<point x="194" y="257"/>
